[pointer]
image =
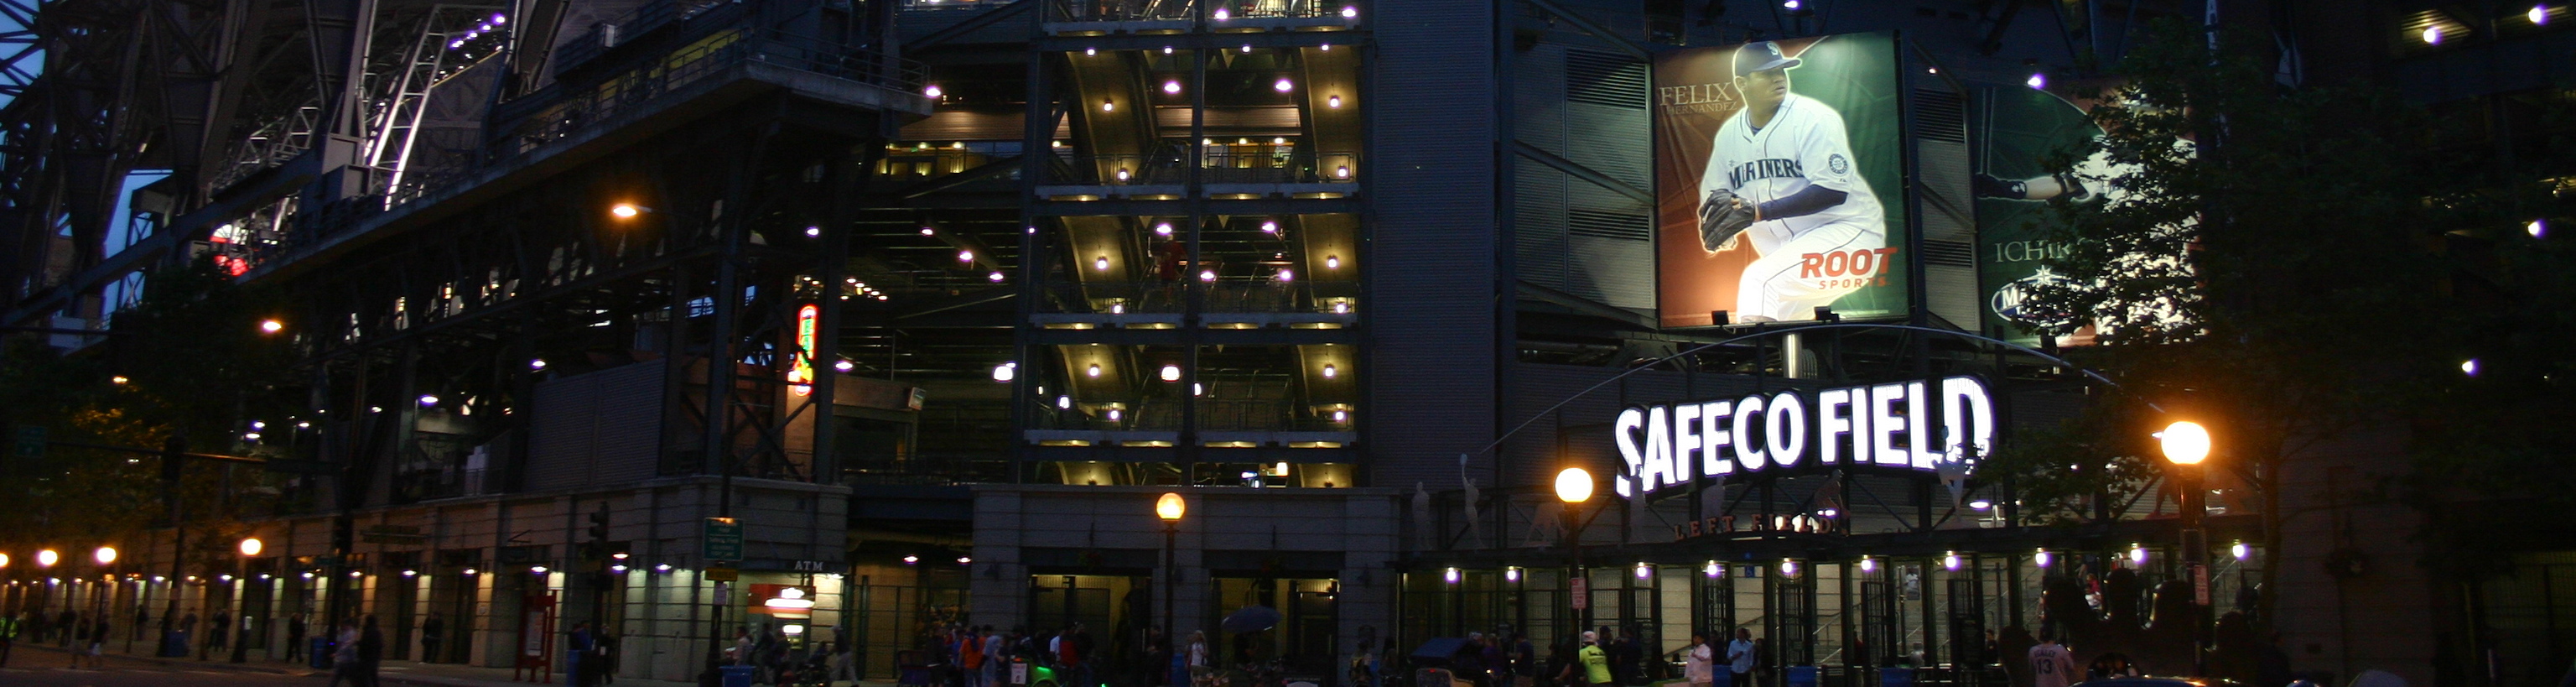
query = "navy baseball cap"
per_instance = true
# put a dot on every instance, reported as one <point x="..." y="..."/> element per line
<point x="1760" y="56"/>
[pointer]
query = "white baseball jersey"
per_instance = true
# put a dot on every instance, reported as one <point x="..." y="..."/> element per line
<point x="2050" y="666"/>
<point x="1805" y="145"/>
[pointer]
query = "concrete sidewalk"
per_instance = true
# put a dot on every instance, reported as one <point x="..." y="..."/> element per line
<point x="29" y="654"/>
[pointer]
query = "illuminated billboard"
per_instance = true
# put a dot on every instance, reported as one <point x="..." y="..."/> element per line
<point x="1778" y="181"/>
<point x="2016" y="130"/>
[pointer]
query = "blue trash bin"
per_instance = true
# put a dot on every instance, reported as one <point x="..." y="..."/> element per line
<point x="1802" y="676"/>
<point x="1896" y="677"/>
<point x="320" y="653"/>
<point x="737" y="676"/>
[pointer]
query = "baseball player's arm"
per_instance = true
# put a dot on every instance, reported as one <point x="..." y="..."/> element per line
<point x="2034" y="188"/>
<point x="1807" y="201"/>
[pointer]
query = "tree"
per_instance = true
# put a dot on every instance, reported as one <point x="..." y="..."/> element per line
<point x="2291" y="264"/>
<point x="187" y="359"/>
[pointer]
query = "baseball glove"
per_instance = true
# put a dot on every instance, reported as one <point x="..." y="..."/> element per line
<point x="1721" y="217"/>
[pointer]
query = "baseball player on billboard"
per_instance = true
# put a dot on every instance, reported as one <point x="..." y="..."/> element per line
<point x="1781" y="172"/>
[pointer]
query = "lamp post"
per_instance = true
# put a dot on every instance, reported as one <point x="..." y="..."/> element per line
<point x="2185" y="444"/>
<point x="105" y="557"/>
<point x="1574" y="487"/>
<point x="250" y="547"/>
<point x="45" y="560"/>
<point x="1169" y="508"/>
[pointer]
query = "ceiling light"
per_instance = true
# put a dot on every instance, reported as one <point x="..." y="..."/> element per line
<point x="1332" y="262"/>
<point x="1093" y="371"/>
<point x="1283" y="85"/>
<point x="844" y="366"/>
<point x="1333" y="102"/>
<point x="1207" y="275"/>
<point x="932" y="91"/>
<point x="1221" y="14"/>
<point x="1173" y="87"/>
<point x="1100" y="263"/>
<point x="1163" y="228"/>
<point x="1171" y="373"/>
<point x="1329" y="371"/>
<point x="965" y="256"/>
<point x="1006" y="372"/>
<point x="2432" y="35"/>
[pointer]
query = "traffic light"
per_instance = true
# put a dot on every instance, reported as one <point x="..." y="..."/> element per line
<point x="597" y="547"/>
<point x="173" y="451"/>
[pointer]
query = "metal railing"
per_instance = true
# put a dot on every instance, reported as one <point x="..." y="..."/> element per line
<point x="1224" y="296"/>
<point x="1164" y="415"/>
<point x="552" y="115"/>
<point x="1217" y="11"/>
<point x="953" y="4"/>
<point x="1217" y="167"/>
<point x="634" y="89"/>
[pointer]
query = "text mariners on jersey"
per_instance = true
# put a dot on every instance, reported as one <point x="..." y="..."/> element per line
<point x="1757" y="170"/>
<point x="1886" y="425"/>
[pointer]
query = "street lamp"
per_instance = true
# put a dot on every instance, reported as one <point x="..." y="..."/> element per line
<point x="250" y="546"/>
<point x="1574" y="487"/>
<point x="106" y="555"/>
<point x="2186" y="444"/>
<point x="1169" y="508"/>
<point x="47" y="558"/>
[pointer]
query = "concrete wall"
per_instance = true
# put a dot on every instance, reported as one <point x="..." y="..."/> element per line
<point x="2385" y="618"/>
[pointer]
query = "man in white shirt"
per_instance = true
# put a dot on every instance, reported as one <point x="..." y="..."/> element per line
<point x="1739" y="658"/>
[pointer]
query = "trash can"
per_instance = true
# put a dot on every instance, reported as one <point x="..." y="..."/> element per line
<point x="1896" y="677"/>
<point x="1803" y="676"/>
<point x="737" y="676"/>
<point x="320" y="653"/>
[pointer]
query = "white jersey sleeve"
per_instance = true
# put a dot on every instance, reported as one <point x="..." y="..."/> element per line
<point x="1824" y="151"/>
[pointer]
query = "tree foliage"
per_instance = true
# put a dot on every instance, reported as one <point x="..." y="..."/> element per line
<point x="186" y="359"/>
<point x="2291" y="265"/>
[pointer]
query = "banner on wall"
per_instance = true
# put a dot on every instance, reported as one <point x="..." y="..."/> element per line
<point x="1803" y="138"/>
<point x="2016" y="129"/>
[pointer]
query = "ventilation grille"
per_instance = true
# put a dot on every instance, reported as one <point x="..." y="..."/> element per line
<point x="1940" y="115"/>
<point x="1604" y="79"/>
<point x="1609" y="225"/>
<point x="1952" y="253"/>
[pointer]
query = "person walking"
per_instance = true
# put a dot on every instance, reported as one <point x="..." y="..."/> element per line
<point x="294" y="636"/>
<point x="222" y="625"/>
<point x="344" y="656"/>
<point x="1740" y="655"/>
<point x="1699" y="662"/>
<point x="433" y="631"/>
<point x="1596" y="663"/>
<point x="9" y="626"/>
<point x="993" y="657"/>
<point x="96" y="643"/>
<point x="575" y="660"/>
<point x="371" y="652"/>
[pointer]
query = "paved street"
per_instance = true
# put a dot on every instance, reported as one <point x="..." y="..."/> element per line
<point x="45" y="666"/>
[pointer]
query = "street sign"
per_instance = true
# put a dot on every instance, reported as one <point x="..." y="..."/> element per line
<point x="721" y="540"/>
<point x="1580" y="589"/>
<point x="31" y="441"/>
<point x="2200" y="584"/>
